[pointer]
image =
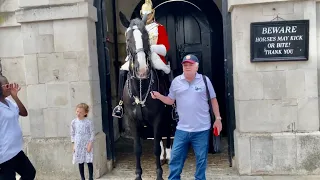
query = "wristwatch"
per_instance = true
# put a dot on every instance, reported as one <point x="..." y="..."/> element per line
<point x="219" y="118"/>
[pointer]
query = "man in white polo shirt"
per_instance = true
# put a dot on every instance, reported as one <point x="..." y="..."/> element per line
<point x="12" y="158"/>
<point x="189" y="92"/>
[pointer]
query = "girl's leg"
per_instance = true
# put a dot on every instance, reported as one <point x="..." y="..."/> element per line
<point x="81" y="169"/>
<point x="90" y="167"/>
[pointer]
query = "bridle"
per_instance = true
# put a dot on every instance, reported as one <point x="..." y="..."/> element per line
<point x="133" y="76"/>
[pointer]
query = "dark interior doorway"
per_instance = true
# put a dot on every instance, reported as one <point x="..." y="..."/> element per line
<point x="200" y="32"/>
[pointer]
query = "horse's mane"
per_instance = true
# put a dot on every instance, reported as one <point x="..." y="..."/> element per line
<point x="145" y="36"/>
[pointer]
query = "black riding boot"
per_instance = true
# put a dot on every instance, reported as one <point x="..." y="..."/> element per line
<point x="118" y="110"/>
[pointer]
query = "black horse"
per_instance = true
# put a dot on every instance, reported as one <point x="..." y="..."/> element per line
<point x="140" y="109"/>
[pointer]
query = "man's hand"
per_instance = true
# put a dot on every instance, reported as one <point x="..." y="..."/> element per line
<point x="218" y="125"/>
<point x="14" y="89"/>
<point x="155" y="95"/>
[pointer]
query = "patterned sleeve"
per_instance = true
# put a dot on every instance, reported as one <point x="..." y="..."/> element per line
<point x="91" y="132"/>
<point x="72" y="130"/>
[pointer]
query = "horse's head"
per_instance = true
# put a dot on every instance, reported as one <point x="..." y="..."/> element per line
<point x="138" y="47"/>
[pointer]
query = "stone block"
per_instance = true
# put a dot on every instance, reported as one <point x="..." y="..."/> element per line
<point x="96" y="95"/>
<point x="54" y="68"/>
<point x="81" y="92"/>
<point x="272" y="9"/>
<point x="242" y="152"/>
<point x="8" y="5"/>
<point x="57" y="122"/>
<point x="37" y="126"/>
<point x="100" y="155"/>
<point x="97" y="117"/>
<point x="261" y="154"/>
<point x="65" y="11"/>
<point x="72" y="70"/>
<point x="308" y="153"/>
<point x="295" y="84"/>
<point x="254" y="116"/>
<point x="11" y="37"/>
<point x="53" y="158"/>
<point x="70" y="35"/>
<point x="34" y="43"/>
<point x="25" y="125"/>
<point x="31" y="3"/>
<point x="58" y="95"/>
<point x="37" y="96"/>
<point x="45" y="28"/>
<point x="266" y="115"/>
<point x="31" y="66"/>
<point x="14" y="70"/>
<point x="283" y="116"/>
<point x="45" y="43"/>
<point x="249" y="85"/>
<point x="242" y="58"/>
<point x="70" y="55"/>
<point x="277" y="66"/>
<point x="311" y="80"/>
<point x="284" y="153"/>
<point x="8" y="19"/>
<point x="274" y="85"/>
<point x="308" y="114"/>
<point x="30" y="32"/>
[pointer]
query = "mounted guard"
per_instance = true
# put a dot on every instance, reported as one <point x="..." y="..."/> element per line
<point x="159" y="44"/>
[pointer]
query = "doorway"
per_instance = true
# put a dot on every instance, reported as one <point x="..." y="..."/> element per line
<point x="195" y="27"/>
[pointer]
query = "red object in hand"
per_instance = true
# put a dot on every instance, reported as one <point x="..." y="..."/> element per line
<point x="215" y="131"/>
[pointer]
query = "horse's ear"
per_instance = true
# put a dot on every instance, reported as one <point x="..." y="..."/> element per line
<point x="125" y="22"/>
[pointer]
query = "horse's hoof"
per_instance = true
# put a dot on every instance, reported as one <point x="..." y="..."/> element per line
<point x="138" y="178"/>
<point x="160" y="178"/>
<point x="163" y="161"/>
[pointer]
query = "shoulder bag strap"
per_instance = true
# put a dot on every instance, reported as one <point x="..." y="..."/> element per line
<point x="209" y="100"/>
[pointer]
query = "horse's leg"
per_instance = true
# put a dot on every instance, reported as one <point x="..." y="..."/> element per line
<point x="157" y="150"/>
<point x="168" y="143"/>
<point x="138" y="152"/>
<point x="168" y="147"/>
<point x="162" y="159"/>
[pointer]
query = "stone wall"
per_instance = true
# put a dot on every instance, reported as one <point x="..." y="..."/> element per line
<point x="49" y="48"/>
<point x="276" y="103"/>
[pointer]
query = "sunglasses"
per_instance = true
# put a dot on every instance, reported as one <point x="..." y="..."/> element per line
<point x="7" y="86"/>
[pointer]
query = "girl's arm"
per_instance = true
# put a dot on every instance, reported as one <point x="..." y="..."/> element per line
<point x="91" y="132"/>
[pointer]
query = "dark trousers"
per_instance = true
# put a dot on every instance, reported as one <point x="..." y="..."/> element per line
<point x="19" y="164"/>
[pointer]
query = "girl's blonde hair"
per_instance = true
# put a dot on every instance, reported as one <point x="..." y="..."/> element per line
<point x="83" y="106"/>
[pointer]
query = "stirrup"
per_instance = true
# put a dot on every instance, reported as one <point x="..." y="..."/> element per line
<point x="118" y="110"/>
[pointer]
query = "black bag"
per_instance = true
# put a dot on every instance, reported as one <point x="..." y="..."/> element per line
<point x="214" y="141"/>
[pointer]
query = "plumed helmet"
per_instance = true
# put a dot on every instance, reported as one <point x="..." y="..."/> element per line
<point x="146" y="8"/>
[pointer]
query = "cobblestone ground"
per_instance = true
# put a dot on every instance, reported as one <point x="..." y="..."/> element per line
<point x="125" y="166"/>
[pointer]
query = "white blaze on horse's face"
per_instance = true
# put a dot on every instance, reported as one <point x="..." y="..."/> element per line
<point x="141" y="54"/>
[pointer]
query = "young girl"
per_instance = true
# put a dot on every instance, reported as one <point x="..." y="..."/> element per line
<point x="82" y="136"/>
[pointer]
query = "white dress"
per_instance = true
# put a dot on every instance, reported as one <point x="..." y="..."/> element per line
<point x="82" y="132"/>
